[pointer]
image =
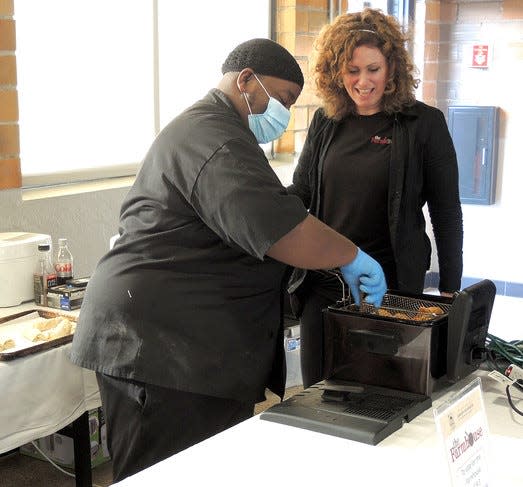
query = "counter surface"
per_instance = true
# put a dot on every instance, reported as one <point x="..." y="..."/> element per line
<point x="258" y="452"/>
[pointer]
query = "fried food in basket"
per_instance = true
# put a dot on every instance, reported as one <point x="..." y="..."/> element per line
<point x="385" y="312"/>
<point x="402" y="316"/>
<point x="424" y="313"/>
<point x="434" y="310"/>
<point x="396" y="314"/>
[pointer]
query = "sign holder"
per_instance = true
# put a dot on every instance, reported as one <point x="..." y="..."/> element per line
<point x="462" y="426"/>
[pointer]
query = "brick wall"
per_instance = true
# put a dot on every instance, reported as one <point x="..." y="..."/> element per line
<point x="10" y="176"/>
<point x="439" y="15"/>
<point x="451" y="27"/>
<point x="298" y="22"/>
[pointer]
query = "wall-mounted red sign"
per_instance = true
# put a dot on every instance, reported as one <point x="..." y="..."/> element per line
<point x="480" y="55"/>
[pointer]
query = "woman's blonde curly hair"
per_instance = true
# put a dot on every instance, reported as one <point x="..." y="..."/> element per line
<point x="334" y="47"/>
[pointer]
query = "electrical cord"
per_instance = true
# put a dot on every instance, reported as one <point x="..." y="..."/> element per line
<point x="518" y="384"/>
<point x="500" y="354"/>
<point x="39" y="450"/>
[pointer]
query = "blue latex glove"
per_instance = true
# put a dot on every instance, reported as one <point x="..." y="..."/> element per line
<point x="366" y="275"/>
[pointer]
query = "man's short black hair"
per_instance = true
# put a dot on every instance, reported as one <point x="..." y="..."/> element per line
<point x="264" y="57"/>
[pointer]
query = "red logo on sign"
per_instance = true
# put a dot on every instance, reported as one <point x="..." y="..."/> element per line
<point x="480" y="55"/>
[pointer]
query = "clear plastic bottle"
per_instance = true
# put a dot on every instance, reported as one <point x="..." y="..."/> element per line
<point x="44" y="275"/>
<point x="64" y="262"/>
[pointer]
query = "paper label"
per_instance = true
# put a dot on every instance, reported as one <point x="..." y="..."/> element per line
<point x="463" y="429"/>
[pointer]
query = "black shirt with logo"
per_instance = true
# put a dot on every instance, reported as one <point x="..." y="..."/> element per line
<point x="355" y="184"/>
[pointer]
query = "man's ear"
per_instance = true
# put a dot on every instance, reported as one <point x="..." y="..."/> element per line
<point x="244" y="77"/>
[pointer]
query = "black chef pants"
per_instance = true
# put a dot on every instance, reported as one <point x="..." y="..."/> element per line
<point x="146" y="423"/>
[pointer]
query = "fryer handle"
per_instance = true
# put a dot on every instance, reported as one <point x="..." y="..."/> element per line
<point x="468" y="321"/>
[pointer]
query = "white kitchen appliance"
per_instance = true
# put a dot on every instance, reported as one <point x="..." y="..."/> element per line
<point x="18" y="259"/>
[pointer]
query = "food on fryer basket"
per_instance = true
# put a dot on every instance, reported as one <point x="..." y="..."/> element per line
<point x="384" y="312"/>
<point x="6" y="343"/>
<point x="402" y="316"/>
<point x="423" y="313"/>
<point x="49" y="329"/>
<point x="397" y="314"/>
<point x="435" y="310"/>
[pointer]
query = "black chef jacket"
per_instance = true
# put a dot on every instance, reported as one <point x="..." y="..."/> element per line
<point x="186" y="299"/>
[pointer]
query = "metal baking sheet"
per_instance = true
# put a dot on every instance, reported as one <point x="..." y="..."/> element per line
<point x="12" y="327"/>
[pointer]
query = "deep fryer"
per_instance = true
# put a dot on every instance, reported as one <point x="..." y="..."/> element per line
<point x="412" y="343"/>
<point x="382" y="365"/>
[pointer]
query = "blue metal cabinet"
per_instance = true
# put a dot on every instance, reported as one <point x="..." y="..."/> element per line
<point x="474" y="130"/>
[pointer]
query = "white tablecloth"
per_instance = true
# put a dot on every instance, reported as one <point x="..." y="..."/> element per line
<point x="42" y="393"/>
<point x="258" y="453"/>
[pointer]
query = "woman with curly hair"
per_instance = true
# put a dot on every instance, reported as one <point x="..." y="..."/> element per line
<point x="373" y="157"/>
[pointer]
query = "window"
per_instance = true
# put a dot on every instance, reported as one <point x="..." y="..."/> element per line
<point x="358" y="5"/>
<point x="97" y="79"/>
<point x="403" y="10"/>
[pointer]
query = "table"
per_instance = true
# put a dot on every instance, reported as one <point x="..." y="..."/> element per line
<point x="41" y="394"/>
<point x="258" y="452"/>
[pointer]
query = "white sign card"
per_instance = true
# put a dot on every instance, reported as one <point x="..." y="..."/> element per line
<point x="462" y="425"/>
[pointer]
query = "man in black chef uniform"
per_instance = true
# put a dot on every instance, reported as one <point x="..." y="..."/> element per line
<point x="182" y="318"/>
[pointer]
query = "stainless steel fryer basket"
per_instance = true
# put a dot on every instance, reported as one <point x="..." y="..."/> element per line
<point x="398" y="307"/>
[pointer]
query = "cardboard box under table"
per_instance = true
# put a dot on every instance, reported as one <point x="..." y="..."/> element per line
<point x="59" y="447"/>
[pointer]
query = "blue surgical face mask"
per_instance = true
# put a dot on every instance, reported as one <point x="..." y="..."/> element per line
<point x="270" y="124"/>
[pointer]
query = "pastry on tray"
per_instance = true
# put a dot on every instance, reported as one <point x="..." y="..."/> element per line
<point x="49" y="329"/>
<point x="6" y="343"/>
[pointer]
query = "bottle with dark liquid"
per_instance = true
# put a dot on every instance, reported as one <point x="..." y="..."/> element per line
<point x="44" y="276"/>
<point x="64" y="262"/>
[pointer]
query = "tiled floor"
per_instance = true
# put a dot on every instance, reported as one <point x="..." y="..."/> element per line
<point x="18" y="470"/>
